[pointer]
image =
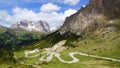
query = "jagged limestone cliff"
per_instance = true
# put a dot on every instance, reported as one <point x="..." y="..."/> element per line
<point x="98" y="14"/>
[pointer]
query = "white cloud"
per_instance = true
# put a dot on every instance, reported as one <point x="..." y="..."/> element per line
<point x="84" y="6"/>
<point x="71" y="2"/>
<point x="4" y="16"/>
<point x="53" y="18"/>
<point x="23" y="13"/>
<point x="69" y="12"/>
<point x="49" y="7"/>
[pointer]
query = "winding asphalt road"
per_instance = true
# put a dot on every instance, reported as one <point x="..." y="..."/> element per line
<point x="49" y="58"/>
<point x="50" y="53"/>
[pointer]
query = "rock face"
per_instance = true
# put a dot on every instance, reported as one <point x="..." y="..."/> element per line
<point x="45" y="26"/>
<point x="40" y="26"/>
<point x="91" y="17"/>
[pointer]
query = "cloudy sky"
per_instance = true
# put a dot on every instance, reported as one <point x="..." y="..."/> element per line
<point x="52" y="11"/>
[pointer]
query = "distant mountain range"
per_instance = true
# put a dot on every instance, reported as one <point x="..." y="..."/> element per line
<point x="18" y="35"/>
<point x="40" y="26"/>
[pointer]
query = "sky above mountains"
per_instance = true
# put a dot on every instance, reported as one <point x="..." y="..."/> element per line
<point x="52" y="11"/>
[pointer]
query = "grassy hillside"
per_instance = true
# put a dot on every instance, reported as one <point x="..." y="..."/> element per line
<point x="11" y="40"/>
<point x="106" y="45"/>
<point x="17" y="37"/>
<point x="2" y="29"/>
<point x="51" y="39"/>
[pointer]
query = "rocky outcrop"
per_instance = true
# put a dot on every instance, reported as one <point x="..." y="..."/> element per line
<point x="45" y="26"/>
<point x="91" y="17"/>
<point x="40" y="26"/>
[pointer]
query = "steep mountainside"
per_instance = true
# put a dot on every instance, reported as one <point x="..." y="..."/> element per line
<point x="40" y="26"/>
<point x="2" y="29"/>
<point x="98" y="14"/>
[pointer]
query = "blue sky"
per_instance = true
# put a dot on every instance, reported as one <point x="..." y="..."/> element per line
<point x="12" y="11"/>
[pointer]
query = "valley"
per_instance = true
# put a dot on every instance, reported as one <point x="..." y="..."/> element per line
<point x="90" y="38"/>
<point x="92" y="57"/>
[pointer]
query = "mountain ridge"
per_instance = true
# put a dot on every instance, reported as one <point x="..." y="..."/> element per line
<point x="87" y="18"/>
<point x="39" y="26"/>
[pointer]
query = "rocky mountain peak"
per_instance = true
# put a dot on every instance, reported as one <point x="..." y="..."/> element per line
<point x="44" y="24"/>
<point x="40" y="26"/>
<point x="91" y="17"/>
<point x="23" y="23"/>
